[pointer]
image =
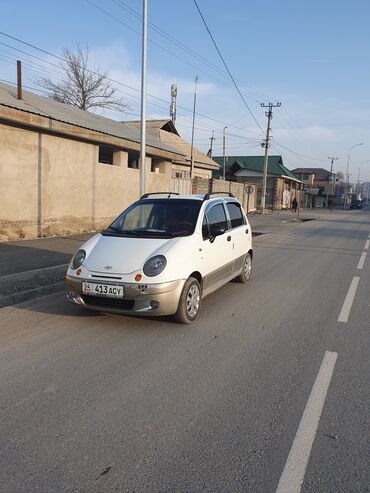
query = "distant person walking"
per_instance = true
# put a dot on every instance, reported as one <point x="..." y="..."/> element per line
<point x="294" y="205"/>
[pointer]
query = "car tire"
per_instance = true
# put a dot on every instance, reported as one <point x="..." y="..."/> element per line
<point x="247" y="269"/>
<point x="189" y="302"/>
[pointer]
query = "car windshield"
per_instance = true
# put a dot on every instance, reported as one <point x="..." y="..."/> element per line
<point x="159" y="218"/>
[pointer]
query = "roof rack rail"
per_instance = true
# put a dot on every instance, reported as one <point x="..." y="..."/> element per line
<point x="146" y="195"/>
<point x="209" y="195"/>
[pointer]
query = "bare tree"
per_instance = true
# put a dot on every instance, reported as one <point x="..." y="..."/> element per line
<point x="340" y="175"/>
<point x="82" y="87"/>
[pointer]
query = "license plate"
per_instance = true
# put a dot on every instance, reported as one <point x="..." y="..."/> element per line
<point x="107" y="290"/>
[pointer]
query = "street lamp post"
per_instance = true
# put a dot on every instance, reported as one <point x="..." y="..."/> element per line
<point x="358" y="180"/>
<point x="143" y="101"/>
<point x="347" y="174"/>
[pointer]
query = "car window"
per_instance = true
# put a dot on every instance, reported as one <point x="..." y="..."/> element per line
<point x="160" y="218"/>
<point x="216" y="216"/>
<point x="137" y="217"/>
<point x="235" y="213"/>
<point x="205" y="228"/>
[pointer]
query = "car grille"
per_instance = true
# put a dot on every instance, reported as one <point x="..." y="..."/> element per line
<point x="117" y="304"/>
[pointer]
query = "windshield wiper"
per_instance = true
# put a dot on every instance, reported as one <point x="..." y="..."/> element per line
<point x="119" y="232"/>
<point x="138" y="232"/>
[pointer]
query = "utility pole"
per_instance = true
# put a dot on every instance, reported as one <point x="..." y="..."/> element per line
<point x="143" y="103"/>
<point x="332" y="180"/>
<point x="209" y="153"/>
<point x="267" y="145"/>
<point x="19" y="79"/>
<point x="192" y="131"/>
<point x="173" y="103"/>
<point x="347" y="183"/>
<point x="224" y="153"/>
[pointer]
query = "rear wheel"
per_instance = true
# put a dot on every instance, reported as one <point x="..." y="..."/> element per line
<point x="189" y="303"/>
<point x="247" y="269"/>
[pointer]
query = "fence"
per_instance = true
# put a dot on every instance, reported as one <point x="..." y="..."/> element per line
<point x="239" y="190"/>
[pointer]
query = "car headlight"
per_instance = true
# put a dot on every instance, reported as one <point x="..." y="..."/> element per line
<point x="154" y="265"/>
<point x="78" y="259"/>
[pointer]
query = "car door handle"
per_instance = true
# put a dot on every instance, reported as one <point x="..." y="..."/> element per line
<point x="229" y="238"/>
<point x="246" y="231"/>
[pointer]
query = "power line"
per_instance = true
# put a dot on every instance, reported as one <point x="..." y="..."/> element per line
<point x="298" y="154"/>
<point x="185" y="48"/>
<point x="112" y="16"/>
<point x="225" y="65"/>
<point x="110" y="79"/>
<point x="168" y="37"/>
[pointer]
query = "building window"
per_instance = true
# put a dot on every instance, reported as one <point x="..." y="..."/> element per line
<point x="133" y="160"/>
<point x="181" y="174"/>
<point x="106" y="154"/>
<point x="154" y="167"/>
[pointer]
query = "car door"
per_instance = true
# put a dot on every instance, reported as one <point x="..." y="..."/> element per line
<point x="217" y="253"/>
<point x="240" y="234"/>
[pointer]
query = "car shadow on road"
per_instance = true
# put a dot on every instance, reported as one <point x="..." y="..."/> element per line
<point x="57" y="304"/>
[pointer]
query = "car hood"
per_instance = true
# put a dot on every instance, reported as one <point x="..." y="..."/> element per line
<point x="123" y="255"/>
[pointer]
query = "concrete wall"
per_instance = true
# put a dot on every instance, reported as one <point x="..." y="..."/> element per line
<point x="19" y="197"/>
<point x="55" y="185"/>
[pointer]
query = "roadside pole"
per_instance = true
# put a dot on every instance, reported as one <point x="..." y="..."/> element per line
<point x="143" y="103"/>
<point x="332" y="183"/>
<point x="224" y="153"/>
<point x="192" y="131"/>
<point x="266" y="144"/>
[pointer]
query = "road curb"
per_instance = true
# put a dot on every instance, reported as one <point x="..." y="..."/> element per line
<point x="30" y="294"/>
<point x="23" y="286"/>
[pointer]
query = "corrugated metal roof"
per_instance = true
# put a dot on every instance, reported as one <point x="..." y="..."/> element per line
<point x="154" y="126"/>
<point x="165" y="131"/>
<point x="40" y="105"/>
<point x="321" y="174"/>
<point x="185" y="148"/>
<point x="256" y="163"/>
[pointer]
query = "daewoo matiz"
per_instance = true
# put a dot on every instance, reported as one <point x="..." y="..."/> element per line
<point x="162" y="255"/>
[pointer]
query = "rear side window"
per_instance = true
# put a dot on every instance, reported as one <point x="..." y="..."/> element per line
<point x="216" y="216"/>
<point x="235" y="213"/>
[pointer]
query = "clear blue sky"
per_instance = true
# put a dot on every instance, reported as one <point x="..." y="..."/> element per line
<point x="312" y="56"/>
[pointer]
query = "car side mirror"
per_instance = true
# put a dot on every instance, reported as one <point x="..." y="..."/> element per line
<point x="216" y="231"/>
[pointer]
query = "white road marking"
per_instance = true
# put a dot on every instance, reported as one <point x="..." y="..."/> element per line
<point x="347" y="305"/>
<point x="366" y="247"/>
<point x="295" y="467"/>
<point x="361" y="262"/>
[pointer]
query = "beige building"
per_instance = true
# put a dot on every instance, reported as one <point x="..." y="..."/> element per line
<point x="165" y="131"/>
<point x="64" y="170"/>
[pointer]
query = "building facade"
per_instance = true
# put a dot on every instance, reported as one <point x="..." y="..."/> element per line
<point x="281" y="187"/>
<point x="320" y="186"/>
<point x="64" y="170"/>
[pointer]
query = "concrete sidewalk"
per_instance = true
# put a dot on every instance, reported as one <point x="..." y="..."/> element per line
<point x="32" y="268"/>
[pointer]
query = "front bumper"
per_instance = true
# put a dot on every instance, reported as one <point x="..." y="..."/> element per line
<point x="139" y="299"/>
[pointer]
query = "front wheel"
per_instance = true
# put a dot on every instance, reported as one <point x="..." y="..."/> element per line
<point x="189" y="303"/>
<point x="247" y="269"/>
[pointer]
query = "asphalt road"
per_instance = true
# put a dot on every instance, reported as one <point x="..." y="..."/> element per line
<point x="267" y="389"/>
